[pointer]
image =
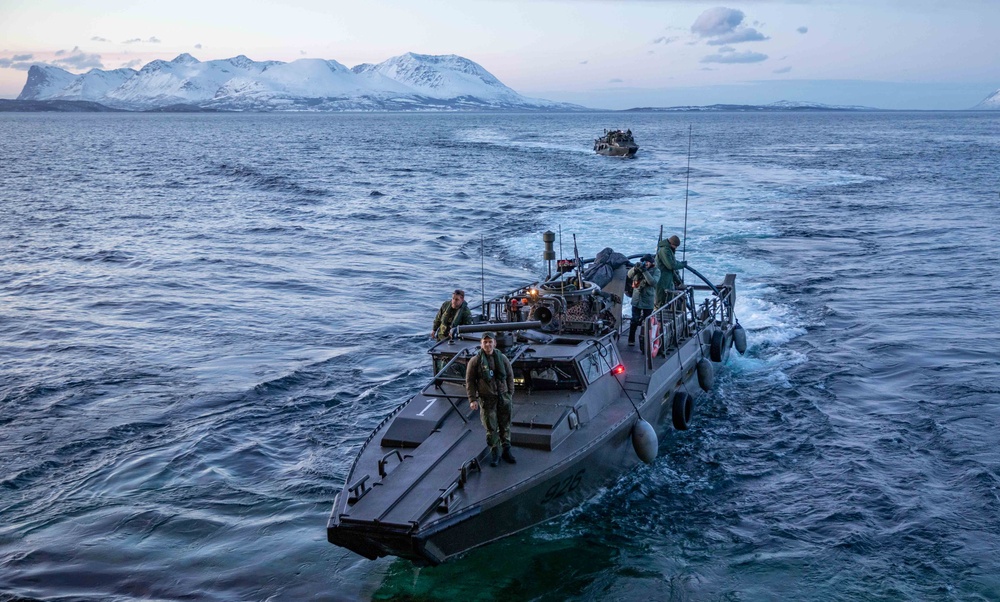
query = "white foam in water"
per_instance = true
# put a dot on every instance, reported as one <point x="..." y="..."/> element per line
<point x="518" y="139"/>
<point x="714" y="241"/>
<point x="771" y="175"/>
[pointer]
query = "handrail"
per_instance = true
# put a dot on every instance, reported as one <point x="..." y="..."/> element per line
<point x="463" y="472"/>
<point x="381" y="463"/>
<point x="705" y="280"/>
<point x="353" y="490"/>
<point x="438" y="379"/>
<point x="667" y="309"/>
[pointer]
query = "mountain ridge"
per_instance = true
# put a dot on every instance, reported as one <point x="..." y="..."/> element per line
<point x="409" y="82"/>
<point x="990" y="103"/>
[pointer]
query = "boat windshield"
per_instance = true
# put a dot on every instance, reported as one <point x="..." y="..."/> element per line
<point x="455" y="370"/>
<point x="547" y="376"/>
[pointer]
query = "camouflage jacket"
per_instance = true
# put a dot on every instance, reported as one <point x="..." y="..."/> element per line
<point x="448" y="316"/>
<point x="644" y="289"/>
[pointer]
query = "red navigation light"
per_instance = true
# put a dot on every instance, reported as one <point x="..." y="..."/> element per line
<point x="619" y="369"/>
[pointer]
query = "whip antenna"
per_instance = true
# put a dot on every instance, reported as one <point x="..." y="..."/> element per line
<point x="687" y="187"/>
<point x="579" y="265"/>
<point x="560" y="241"/>
<point x="482" y="272"/>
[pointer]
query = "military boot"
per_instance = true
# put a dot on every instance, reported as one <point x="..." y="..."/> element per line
<point x="494" y="457"/>
<point x="507" y="456"/>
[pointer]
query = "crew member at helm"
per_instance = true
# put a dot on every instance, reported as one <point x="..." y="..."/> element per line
<point x="452" y="313"/>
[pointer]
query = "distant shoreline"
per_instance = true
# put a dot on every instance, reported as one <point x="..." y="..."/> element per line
<point x="82" y="106"/>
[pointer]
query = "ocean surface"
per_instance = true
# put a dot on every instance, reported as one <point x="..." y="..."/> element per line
<point x="202" y="317"/>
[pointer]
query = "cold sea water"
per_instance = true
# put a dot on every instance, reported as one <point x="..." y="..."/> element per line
<point x="202" y="317"/>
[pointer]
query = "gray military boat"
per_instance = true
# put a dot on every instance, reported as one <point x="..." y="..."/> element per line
<point x="616" y="143"/>
<point x="586" y="409"/>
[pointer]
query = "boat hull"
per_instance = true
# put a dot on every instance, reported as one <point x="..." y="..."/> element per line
<point x="559" y="489"/>
<point x="617" y="151"/>
<point x="421" y="487"/>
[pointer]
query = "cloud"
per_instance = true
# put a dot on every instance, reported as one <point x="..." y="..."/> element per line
<point x="302" y="52"/>
<point x="717" y="21"/>
<point x="802" y="29"/>
<point x="150" y="40"/>
<point x="15" y="64"/>
<point x="736" y="57"/>
<point x="584" y="62"/>
<point x="75" y="59"/>
<point x="99" y="39"/>
<point x="153" y="40"/>
<point x="198" y="46"/>
<point x="743" y="34"/>
<point x="616" y="81"/>
<point x="665" y="40"/>
<point x="133" y="64"/>
<point x="78" y="59"/>
<point x="725" y="26"/>
<point x="782" y="70"/>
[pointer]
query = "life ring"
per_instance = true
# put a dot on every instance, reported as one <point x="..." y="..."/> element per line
<point x="654" y="336"/>
<point x="683" y="407"/>
<point x="715" y="349"/>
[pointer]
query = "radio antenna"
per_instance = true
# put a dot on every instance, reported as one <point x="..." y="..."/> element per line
<point x="687" y="187"/>
<point x="482" y="271"/>
<point x="579" y="265"/>
<point x="560" y="242"/>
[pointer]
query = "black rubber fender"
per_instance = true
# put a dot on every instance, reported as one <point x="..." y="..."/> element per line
<point x="739" y="338"/>
<point x="683" y="408"/>
<point x="706" y="374"/>
<point x="716" y="349"/>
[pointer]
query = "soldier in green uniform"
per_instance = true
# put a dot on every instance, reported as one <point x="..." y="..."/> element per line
<point x="452" y="313"/>
<point x="669" y="268"/>
<point x="489" y="382"/>
<point x="644" y="276"/>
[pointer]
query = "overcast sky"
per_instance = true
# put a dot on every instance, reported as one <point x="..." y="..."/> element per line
<point x="616" y="54"/>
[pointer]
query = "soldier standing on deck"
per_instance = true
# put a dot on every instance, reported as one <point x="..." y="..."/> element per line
<point x="489" y="378"/>
<point x="669" y="268"/>
<point x="644" y="276"/>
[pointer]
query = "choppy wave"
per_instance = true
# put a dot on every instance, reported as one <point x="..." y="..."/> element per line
<point x="203" y="322"/>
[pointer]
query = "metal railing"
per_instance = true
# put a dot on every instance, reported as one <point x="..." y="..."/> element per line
<point x="669" y="326"/>
<point x="681" y="318"/>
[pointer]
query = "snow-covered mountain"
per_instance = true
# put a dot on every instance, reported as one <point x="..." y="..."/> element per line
<point x="407" y="82"/>
<point x="45" y="82"/>
<point x="781" y="105"/>
<point x="448" y="76"/>
<point x="793" y="105"/>
<point x="990" y="103"/>
<point x="95" y="84"/>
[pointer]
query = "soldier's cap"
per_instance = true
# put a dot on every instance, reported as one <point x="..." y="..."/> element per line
<point x="674" y="240"/>
<point x="489" y="334"/>
<point x="647" y="257"/>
